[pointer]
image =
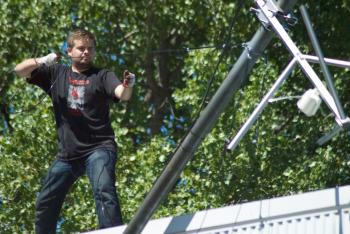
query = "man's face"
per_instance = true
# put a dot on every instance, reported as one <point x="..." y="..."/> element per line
<point x="82" y="53"/>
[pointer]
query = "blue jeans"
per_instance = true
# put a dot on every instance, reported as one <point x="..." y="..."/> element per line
<point x="100" y="169"/>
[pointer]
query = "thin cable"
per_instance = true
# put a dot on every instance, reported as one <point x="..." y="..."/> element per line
<point x="41" y="99"/>
<point x="236" y="105"/>
<point x="208" y="88"/>
<point x="186" y="49"/>
<point x="254" y="141"/>
<point x="221" y="57"/>
<point x="283" y="98"/>
<point x="183" y="50"/>
<point x="44" y="95"/>
<point x="210" y="82"/>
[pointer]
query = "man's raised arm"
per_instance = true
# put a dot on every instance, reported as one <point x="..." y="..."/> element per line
<point x="25" y="68"/>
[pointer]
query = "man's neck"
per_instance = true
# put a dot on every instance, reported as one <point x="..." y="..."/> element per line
<point x="79" y="69"/>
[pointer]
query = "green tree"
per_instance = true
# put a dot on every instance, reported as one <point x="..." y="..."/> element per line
<point x="277" y="157"/>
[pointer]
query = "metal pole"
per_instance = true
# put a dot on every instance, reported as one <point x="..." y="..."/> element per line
<point x="324" y="67"/>
<point x="202" y="126"/>
<point x="329" y="61"/>
<point x="329" y="135"/>
<point x="339" y="209"/>
<point x="257" y="111"/>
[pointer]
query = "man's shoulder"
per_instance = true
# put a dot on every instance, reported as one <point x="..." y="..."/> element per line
<point x="59" y="67"/>
<point x="99" y="69"/>
<point x="101" y="72"/>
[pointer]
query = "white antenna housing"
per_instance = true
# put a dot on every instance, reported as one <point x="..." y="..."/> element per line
<point x="310" y="102"/>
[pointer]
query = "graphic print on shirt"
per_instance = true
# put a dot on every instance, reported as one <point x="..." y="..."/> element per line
<point x="76" y="92"/>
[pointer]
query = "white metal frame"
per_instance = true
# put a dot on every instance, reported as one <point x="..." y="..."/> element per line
<point x="268" y="9"/>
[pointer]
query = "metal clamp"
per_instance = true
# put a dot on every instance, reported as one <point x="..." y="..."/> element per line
<point x="285" y="18"/>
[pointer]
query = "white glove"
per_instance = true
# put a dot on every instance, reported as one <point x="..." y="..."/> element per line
<point x="48" y="59"/>
<point x="129" y="79"/>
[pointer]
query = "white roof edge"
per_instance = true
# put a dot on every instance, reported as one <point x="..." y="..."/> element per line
<point x="327" y="200"/>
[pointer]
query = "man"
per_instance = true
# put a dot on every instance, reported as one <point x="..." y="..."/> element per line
<point x="81" y="95"/>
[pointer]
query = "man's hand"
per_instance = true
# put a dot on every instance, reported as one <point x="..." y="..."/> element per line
<point x="48" y="59"/>
<point x="124" y="91"/>
<point x="128" y="79"/>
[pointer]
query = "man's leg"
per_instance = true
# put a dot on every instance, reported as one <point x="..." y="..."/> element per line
<point x="100" y="168"/>
<point x="49" y="202"/>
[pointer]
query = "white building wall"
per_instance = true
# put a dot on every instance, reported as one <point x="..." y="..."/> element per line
<point x="308" y="213"/>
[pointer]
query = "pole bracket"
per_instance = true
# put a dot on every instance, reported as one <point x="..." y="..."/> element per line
<point x="285" y="18"/>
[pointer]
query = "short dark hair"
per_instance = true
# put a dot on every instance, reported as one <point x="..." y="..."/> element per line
<point x="80" y="34"/>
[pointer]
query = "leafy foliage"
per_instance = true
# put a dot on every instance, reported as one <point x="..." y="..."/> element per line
<point x="154" y="38"/>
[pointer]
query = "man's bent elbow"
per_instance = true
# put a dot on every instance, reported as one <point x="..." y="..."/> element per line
<point x="20" y="72"/>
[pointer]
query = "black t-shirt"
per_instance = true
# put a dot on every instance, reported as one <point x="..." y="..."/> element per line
<point x="81" y="107"/>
